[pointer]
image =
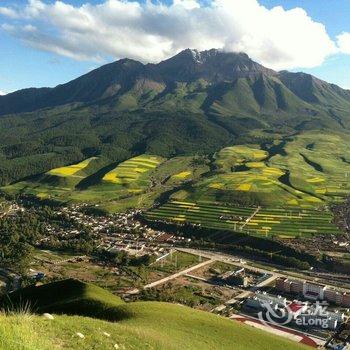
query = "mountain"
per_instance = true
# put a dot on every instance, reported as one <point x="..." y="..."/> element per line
<point x="194" y="102"/>
<point x="216" y="69"/>
<point x="121" y="76"/>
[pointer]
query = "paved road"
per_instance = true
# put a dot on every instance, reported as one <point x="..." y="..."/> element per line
<point x="229" y="259"/>
<point x="178" y="274"/>
<point x="234" y="260"/>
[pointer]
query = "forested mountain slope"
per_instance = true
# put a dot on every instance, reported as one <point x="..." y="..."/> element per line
<point x="195" y="102"/>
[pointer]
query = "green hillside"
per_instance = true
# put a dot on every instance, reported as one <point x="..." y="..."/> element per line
<point x="293" y="177"/>
<point x="193" y="103"/>
<point x="141" y="325"/>
<point x="208" y="129"/>
<point x="58" y="182"/>
<point x="136" y="182"/>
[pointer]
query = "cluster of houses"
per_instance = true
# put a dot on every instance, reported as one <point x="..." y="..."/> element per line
<point x="278" y="310"/>
<point x="313" y="312"/>
<point x="117" y="232"/>
<point x="312" y="291"/>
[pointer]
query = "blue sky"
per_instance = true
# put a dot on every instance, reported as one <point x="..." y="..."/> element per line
<point x="45" y="44"/>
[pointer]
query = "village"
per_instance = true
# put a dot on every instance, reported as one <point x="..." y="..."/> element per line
<point x="259" y="295"/>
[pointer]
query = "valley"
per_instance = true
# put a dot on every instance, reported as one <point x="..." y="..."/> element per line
<point x="137" y="196"/>
<point x="282" y="189"/>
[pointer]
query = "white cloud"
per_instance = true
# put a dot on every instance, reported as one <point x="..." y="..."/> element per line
<point x="187" y="4"/>
<point x="278" y="38"/>
<point x="2" y="93"/>
<point x="343" y="41"/>
<point x="8" y="12"/>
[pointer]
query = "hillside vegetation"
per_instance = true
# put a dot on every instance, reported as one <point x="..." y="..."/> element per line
<point x="193" y="103"/>
<point x="141" y="325"/>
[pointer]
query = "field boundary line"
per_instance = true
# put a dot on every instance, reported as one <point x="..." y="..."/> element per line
<point x="250" y="217"/>
<point x="178" y="274"/>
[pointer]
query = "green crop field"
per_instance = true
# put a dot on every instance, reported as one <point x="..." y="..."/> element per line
<point x="286" y="222"/>
<point x="300" y="175"/>
<point x="127" y="183"/>
<point x="176" y="261"/>
<point x="116" y="325"/>
<point x="318" y="164"/>
<point x="132" y="171"/>
<point x="137" y="182"/>
<point x="58" y="182"/>
<point x="73" y="170"/>
<point x="292" y="181"/>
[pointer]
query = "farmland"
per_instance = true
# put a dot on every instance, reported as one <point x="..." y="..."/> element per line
<point x="282" y="222"/>
<point x="318" y="164"/>
<point x="292" y="180"/>
<point x="290" y="183"/>
<point x="136" y="182"/>
<point x="58" y="182"/>
<point x="132" y="171"/>
<point x="72" y="170"/>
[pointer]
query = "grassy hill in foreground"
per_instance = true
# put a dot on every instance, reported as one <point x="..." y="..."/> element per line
<point x="142" y="325"/>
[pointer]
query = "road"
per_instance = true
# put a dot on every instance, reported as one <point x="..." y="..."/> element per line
<point x="229" y="259"/>
<point x="178" y="274"/>
<point x="236" y="261"/>
<point x="250" y="218"/>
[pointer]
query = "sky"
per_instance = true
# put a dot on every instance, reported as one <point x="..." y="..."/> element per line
<point x="49" y="42"/>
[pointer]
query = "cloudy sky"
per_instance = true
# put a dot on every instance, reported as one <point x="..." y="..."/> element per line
<point x="48" y="42"/>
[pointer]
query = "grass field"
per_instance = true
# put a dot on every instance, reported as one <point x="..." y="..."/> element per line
<point x="56" y="265"/>
<point x="141" y="325"/>
<point x="176" y="261"/>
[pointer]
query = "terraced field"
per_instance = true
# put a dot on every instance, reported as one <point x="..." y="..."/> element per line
<point x="291" y="222"/>
<point x="136" y="182"/>
<point x="287" y="222"/>
<point x="133" y="170"/>
<point x="293" y="180"/>
<point x="239" y="155"/>
<point x="127" y="185"/>
<point x="287" y="185"/>
<point x="246" y="173"/>
<point x="318" y="164"/>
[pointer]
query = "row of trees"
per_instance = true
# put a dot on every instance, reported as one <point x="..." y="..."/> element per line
<point x="236" y="242"/>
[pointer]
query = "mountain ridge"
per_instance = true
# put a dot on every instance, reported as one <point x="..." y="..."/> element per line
<point x="188" y="66"/>
<point x="193" y="103"/>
